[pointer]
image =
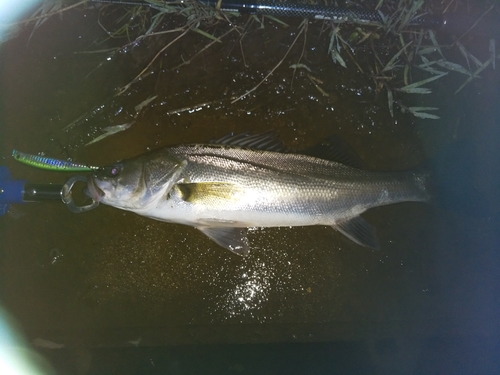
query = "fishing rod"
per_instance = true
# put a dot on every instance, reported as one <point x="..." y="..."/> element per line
<point x="451" y="23"/>
<point x="21" y="191"/>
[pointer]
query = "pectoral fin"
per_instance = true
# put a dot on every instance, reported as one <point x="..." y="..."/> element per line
<point x="234" y="239"/>
<point x="209" y="192"/>
<point x="358" y="230"/>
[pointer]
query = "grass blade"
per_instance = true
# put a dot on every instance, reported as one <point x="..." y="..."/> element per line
<point x="492" y="52"/>
<point x="277" y="20"/>
<point x="453" y="67"/>
<point x="475" y="74"/>
<point x="390" y="101"/>
<point x="110" y="130"/>
<point x="417" y="112"/>
<point x="390" y="65"/>
<point x="300" y="66"/>
<point x="414" y="90"/>
<point x="207" y="35"/>
<point x="415" y="85"/>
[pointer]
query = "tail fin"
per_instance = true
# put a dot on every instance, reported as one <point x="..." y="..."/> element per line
<point x="422" y="180"/>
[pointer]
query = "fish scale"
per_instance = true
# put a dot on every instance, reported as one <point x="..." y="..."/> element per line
<point x="311" y="181"/>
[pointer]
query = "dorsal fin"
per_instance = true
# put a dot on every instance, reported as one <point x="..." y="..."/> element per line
<point x="335" y="149"/>
<point x="267" y="141"/>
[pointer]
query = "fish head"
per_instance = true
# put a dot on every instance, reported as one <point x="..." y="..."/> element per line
<point x="134" y="184"/>
<point x="116" y="185"/>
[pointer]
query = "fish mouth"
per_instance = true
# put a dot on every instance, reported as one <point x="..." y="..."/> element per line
<point x="92" y="190"/>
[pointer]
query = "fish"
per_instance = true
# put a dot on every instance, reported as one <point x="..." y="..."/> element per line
<point x="244" y="181"/>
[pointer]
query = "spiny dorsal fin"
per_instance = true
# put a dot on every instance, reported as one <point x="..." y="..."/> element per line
<point x="333" y="149"/>
<point x="267" y="141"/>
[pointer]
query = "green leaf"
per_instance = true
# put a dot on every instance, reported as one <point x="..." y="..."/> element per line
<point x="475" y="74"/>
<point x="427" y="66"/>
<point x="138" y="108"/>
<point x="277" y="20"/>
<point x="337" y="58"/>
<point x="432" y="37"/>
<point x="300" y="66"/>
<point x="416" y="111"/>
<point x="205" y="34"/>
<point x="468" y="55"/>
<point x="426" y="50"/>
<point x="424" y="108"/>
<point x="492" y="52"/>
<point x="256" y="18"/>
<point x="390" y="65"/>
<point x="110" y="130"/>
<point x="425" y="115"/>
<point x="453" y="67"/>
<point x="414" y="88"/>
<point x="390" y="101"/>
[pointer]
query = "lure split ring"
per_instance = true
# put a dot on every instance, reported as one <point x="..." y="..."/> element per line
<point x="67" y="196"/>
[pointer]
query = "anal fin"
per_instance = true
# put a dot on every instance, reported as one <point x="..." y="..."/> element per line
<point x="358" y="230"/>
<point x="233" y="239"/>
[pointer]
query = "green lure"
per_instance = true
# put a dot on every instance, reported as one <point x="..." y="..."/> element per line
<point x="51" y="164"/>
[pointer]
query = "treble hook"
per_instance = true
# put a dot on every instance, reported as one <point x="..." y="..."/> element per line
<point x="67" y="197"/>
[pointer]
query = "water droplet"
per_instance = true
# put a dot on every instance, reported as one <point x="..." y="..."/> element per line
<point x="55" y="256"/>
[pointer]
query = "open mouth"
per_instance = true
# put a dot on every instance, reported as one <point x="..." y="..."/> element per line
<point x="92" y="190"/>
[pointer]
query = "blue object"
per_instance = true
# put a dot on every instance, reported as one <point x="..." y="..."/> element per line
<point x="11" y="191"/>
<point x="3" y="209"/>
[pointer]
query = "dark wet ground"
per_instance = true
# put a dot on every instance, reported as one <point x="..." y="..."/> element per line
<point x="111" y="279"/>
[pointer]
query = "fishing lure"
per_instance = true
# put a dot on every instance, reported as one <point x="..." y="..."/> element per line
<point x="51" y="164"/>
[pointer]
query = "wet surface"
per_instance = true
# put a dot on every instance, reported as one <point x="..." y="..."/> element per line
<point x="112" y="278"/>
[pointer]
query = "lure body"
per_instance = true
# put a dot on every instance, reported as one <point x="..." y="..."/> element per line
<point x="51" y="163"/>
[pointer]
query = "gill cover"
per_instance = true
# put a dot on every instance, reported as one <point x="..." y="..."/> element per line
<point x="140" y="182"/>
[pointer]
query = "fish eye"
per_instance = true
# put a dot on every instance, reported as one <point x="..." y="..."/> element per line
<point x="115" y="169"/>
<point x="112" y="170"/>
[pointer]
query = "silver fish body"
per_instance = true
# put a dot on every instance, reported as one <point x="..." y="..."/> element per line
<point x="224" y="189"/>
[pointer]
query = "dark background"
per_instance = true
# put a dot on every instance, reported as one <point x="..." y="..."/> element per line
<point x="127" y="295"/>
